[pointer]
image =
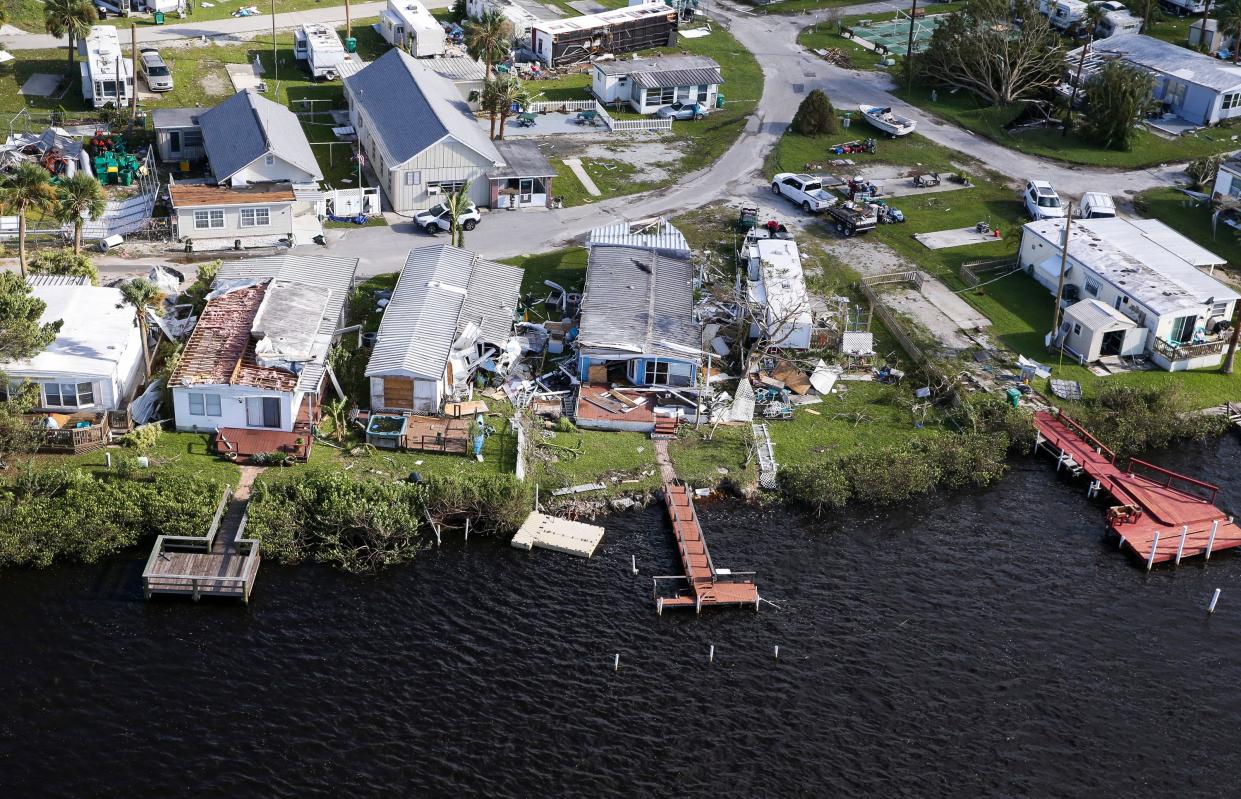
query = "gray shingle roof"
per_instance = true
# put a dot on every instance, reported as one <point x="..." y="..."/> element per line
<point x="319" y="271"/>
<point x="441" y="290"/>
<point x="639" y="302"/>
<point x="522" y="159"/>
<point x="247" y="126"/>
<point x="412" y="107"/>
<point x="176" y="117"/>
<point x="652" y="73"/>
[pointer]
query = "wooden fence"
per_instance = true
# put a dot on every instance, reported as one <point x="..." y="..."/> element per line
<point x="970" y="270"/>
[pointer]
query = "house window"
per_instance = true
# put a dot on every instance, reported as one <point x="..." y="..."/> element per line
<point x="1092" y="287"/>
<point x="192" y="138"/>
<point x="255" y="217"/>
<point x="413" y="177"/>
<point x="703" y="91"/>
<point x="68" y="395"/>
<point x="205" y="405"/>
<point x="665" y="96"/>
<point x="1218" y="309"/>
<point x="1077" y="329"/>
<point x="270" y="159"/>
<point x="1232" y="101"/>
<point x="447" y="186"/>
<point x="657" y="372"/>
<point x="204" y="220"/>
<point x="11" y="390"/>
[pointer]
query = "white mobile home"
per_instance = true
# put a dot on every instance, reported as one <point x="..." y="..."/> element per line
<point x="418" y="133"/>
<point x="1197" y="88"/>
<point x="450" y="311"/>
<point x="776" y="284"/>
<point x="107" y="75"/>
<point x="1147" y="272"/>
<point x="648" y="84"/>
<point x="407" y="24"/>
<point x="96" y="361"/>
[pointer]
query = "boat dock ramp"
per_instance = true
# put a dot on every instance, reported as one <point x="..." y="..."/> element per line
<point x="1159" y="515"/>
<point x="703" y="585"/>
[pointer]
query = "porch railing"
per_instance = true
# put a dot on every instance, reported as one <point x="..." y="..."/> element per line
<point x="1181" y="352"/>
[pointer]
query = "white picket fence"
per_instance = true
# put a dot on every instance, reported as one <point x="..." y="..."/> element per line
<point x="632" y="125"/>
<point x="547" y="106"/>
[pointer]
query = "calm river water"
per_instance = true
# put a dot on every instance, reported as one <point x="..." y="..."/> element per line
<point x="986" y="644"/>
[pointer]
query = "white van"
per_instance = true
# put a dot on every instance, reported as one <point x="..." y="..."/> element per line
<point x="1097" y="205"/>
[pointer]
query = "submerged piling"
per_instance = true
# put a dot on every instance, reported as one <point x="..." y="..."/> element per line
<point x="1214" y="600"/>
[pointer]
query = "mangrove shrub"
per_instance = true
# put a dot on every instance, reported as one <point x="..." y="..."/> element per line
<point x="1133" y="419"/>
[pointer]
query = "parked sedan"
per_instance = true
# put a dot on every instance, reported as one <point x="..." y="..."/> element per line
<point x="679" y="110"/>
<point x="437" y="218"/>
<point x="156" y="73"/>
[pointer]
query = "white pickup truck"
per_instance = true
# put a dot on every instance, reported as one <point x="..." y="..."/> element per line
<point x="805" y="190"/>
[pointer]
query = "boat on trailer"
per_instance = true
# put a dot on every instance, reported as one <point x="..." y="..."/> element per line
<point x="887" y="121"/>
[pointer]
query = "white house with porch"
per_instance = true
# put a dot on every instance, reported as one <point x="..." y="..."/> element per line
<point x="648" y="84"/>
<point x="1148" y="273"/>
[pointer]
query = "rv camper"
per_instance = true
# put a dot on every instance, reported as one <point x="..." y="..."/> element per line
<point x="407" y="24"/>
<point x="107" y="75"/>
<point x="321" y="49"/>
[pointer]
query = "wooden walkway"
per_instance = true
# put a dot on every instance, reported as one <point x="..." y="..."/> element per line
<point x="1159" y="515"/>
<point x="704" y="584"/>
<point x="222" y="563"/>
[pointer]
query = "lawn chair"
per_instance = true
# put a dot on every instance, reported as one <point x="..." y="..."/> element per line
<point x="587" y="118"/>
<point x="526" y="120"/>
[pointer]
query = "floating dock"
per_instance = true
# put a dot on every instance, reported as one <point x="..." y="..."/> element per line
<point x="703" y="584"/>
<point x="1160" y="515"/>
<point x="558" y="535"/>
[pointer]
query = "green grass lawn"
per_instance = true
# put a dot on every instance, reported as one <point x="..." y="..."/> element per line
<point x="800" y="6"/>
<point x="827" y="36"/>
<point x="28" y="15"/>
<point x="988" y="120"/>
<point x="593" y="456"/>
<point x="174" y="453"/>
<point x="794" y="152"/>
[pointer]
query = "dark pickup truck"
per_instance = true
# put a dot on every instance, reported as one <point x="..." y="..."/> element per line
<point x="851" y="218"/>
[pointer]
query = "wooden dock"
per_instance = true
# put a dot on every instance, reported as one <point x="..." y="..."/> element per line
<point x="1159" y="515"/>
<point x="558" y="535"/>
<point x="222" y="563"/>
<point x="703" y="584"/>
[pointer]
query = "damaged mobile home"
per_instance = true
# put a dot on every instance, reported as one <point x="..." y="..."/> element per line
<point x="450" y="312"/>
<point x="559" y="42"/>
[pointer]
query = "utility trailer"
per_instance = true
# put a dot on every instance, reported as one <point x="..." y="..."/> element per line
<point x="321" y="49"/>
<point x="851" y="218"/>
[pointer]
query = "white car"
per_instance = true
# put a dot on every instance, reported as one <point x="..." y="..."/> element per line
<point x="154" y="71"/>
<point x="1042" y="202"/>
<point x="805" y="190"/>
<point x="437" y="218"/>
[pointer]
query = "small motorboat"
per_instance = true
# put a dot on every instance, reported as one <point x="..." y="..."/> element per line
<point x="890" y="123"/>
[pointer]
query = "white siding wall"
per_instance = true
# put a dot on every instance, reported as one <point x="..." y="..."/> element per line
<point x="232" y="407"/>
<point x="281" y="222"/>
<point x="428" y="394"/>
<point x="259" y="171"/>
<point x="447" y="161"/>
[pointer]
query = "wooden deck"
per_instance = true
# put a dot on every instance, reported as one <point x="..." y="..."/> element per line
<point x="1159" y="515"/>
<point x="96" y="431"/>
<point x="240" y="443"/>
<point x="706" y="585"/>
<point x="437" y="434"/>
<point x="222" y="563"/>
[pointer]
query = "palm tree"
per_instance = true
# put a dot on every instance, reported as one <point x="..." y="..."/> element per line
<point x="512" y="92"/>
<point x="489" y="39"/>
<point x="28" y="188"/>
<point x="1230" y="23"/>
<point x="1226" y="366"/>
<point x="458" y="203"/>
<point x="72" y="18"/>
<point x="142" y="294"/>
<point x="490" y="102"/>
<point x="80" y="195"/>
<point x="1094" y="15"/>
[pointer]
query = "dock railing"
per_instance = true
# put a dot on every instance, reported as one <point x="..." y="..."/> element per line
<point x="1085" y="435"/>
<point x="1174" y="480"/>
<point x="156" y="581"/>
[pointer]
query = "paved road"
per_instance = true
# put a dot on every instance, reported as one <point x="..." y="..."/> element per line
<point x="789" y="73"/>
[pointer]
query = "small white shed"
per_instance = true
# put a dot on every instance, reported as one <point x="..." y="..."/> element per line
<point x="1093" y="329"/>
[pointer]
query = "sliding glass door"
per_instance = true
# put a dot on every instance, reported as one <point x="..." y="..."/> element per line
<point x="263" y="411"/>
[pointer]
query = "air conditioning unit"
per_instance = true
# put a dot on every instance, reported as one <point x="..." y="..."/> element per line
<point x="433" y="190"/>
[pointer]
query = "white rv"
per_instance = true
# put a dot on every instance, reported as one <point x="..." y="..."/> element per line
<point x="1115" y="22"/>
<point x="777" y="284"/>
<point x="1182" y="7"/>
<point x="107" y="75"/>
<point x="407" y="24"/>
<point x="518" y="17"/>
<point x="321" y="49"/>
<point x="1066" y="13"/>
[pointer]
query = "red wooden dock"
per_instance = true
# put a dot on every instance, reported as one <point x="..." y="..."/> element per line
<point x="1160" y="515"/>
<point x="706" y="584"/>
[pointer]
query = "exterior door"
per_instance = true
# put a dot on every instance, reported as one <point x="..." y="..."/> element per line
<point x="1183" y="329"/>
<point x="174" y="142"/>
<point x="525" y="191"/>
<point x="263" y="411"/>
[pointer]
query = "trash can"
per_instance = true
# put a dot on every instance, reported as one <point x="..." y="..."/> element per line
<point x="719" y="101"/>
<point x="158" y="17"/>
<point x="351" y="44"/>
<point x="1014" y="397"/>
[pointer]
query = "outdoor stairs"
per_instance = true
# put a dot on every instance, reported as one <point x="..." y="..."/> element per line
<point x="665" y="427"/>
<point x="767" y="465"/>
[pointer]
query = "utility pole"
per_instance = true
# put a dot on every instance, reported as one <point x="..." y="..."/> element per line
<point x="275" y="59"/>
<point x="909" y="48"/>
<point x="133" y="93"/>
<point x="1064" y="258"/>
<point x="348" y="21"/>
<point x="1226" y="366"/>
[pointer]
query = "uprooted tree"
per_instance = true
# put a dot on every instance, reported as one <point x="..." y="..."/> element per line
<point x="980" y="49"/>
<point x="1117" y="96"/>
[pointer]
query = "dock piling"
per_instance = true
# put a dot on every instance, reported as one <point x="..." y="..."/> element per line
<point x="467" y="528"/>
<point x="616" y="663"/>
<point x="711" y="654"/>
<point x="1180" y="548"/>
<point x="107" y="459"/>
<point x="633" y="559"/>
<point x="1211" y="540"/>
<point x="659" y="606"/>
<point x="1214" y="599"/>
<point x="1150" y="561"/>
<point x="775" y="653"/>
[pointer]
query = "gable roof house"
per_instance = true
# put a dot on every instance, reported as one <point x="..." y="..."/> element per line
<point x="253" y="370"/>
<point x="648" y="84"/>
<point x="1195" y="87"/>
<point x="261" y="161"/>
<point x="450" y="310"/>
<point x="419" y="135"/>
<point x="1145" y="270"/>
